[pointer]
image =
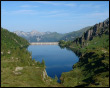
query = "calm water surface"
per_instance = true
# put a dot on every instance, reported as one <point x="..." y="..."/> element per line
<point x="57" y="60"/>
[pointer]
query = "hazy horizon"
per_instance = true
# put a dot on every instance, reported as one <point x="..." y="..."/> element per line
<point x="52" y="16"/>
<point x="45" y="31"/>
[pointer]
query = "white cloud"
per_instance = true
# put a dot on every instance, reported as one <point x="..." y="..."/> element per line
<point x="28" y="6"/>
<point x="93" y="15"/>
<point x="90" y="6"/>
<point x="56" y="4"/>
<point x="47" y="2"/>
<point x="23" y="12"/>
<point x="40" y="13"/>
<point x="70" y="4"/>
<point x="97" y="15"/>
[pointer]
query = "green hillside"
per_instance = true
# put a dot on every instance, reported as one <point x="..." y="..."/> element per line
<point x="52" y="37"/>
<point x="92" y="70"/>
<point x="17" y="67"/>
<point x="11" y="40"/>
<point x="73" y="35"/>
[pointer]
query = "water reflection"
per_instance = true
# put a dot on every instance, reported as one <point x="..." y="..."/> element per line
<point x="57" y="60"/>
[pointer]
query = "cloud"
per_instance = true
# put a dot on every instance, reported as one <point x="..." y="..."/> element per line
<point x="92" y="15"/>
<point x="23" y="12"/>
<point x="56" y="15"/>
<point x="28" y="6"/>
<point x="90" y="6"/>
<point x="61" y="13"/>
<point x="56" y="4"/>
<point x="48" y="2"/>
<point x="35" y="12"/>
<point x="70" y="4"/>
<point x="97" y="14"/>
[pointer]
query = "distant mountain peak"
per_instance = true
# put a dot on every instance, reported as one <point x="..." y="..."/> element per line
<point x="34" y="31"/>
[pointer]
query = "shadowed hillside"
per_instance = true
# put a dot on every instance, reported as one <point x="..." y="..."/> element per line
<point x="92" y="70"/>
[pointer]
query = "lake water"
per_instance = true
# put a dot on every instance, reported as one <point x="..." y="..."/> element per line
<point x="57" y="60"/>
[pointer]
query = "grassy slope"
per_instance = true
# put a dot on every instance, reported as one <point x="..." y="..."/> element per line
<point x="13" y="55"/>
<point x="73" y="35"/>
<point x="11" y="40"/>
<point x="52" y="37"/>
<point x="93" y="68"/>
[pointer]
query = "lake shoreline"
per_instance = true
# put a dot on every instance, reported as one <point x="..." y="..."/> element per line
<point x="44" y="43"/>
<point x="57" y="60"/>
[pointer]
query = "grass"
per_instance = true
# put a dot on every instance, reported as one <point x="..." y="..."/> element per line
<point x="30" y="76"/>
<point x="14" y="54"/>
<point x="93" y="68"/>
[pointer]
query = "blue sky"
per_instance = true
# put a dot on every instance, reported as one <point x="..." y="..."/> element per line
<point x="53" y="16"/>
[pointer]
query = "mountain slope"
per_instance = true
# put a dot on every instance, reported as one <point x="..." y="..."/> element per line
<point x="92" y="70"/>
<point x="11" y="39"/>
<point x="35" y="36"/>
<point x="17" y="67"/>
<point x="96" y="30"/>
<point x="52" y="37"/>
<point x="73" y="35"/>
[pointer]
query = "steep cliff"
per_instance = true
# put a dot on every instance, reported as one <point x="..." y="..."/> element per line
<point x="96" y="30"/>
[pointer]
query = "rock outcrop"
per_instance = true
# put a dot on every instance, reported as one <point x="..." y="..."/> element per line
<point x="17" y="69"/>
<point x="44" y="75"/>
<point x="96" y="30"/>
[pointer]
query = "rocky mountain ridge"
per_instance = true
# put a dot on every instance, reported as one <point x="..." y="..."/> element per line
<point x="92" y="47"/>
<point x="35" y="36"/>
<point x="32" y="33"/>
<point x="96" y="30"/>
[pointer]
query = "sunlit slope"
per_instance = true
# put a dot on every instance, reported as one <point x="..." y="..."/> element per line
<point x="17" y="67"/>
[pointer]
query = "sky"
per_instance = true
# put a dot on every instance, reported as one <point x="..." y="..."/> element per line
<point x="53" y="16"/>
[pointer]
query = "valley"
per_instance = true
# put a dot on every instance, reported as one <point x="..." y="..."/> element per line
<point x="92" y="48"/>
<point x="35" y="36"/>
<point x="55" y="44"/>
<point x="44" y="43"/>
